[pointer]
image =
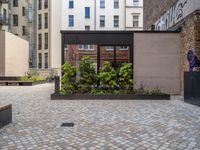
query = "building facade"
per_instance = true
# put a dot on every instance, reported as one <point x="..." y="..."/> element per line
<point x="23" y="24"/>
<point x="4" y="15"/>
<point x="181" y="15"/>
<point x="88" y="15"/>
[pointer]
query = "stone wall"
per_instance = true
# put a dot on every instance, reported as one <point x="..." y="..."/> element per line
<point x="153" y="9"/>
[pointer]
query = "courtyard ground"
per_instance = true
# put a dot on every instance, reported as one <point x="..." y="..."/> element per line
<point x="100" y="125"/>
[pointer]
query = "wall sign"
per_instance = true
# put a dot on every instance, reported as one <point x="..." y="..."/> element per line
<point x="178" y="11"/>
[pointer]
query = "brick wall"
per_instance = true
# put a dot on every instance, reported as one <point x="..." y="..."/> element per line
<point x="153" y="9"/>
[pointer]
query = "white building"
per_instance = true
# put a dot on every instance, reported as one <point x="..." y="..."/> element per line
<point x="79" y="15"/>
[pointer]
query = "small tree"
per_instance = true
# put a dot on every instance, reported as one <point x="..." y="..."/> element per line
<point x="126" y="77"/>
<point x="68" y="79"/>
<point x="88" y="76"/>
<point x="107" y="78"/>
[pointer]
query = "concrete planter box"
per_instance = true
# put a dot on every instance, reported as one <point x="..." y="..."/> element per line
<point x="5" y="115"/>
<point x="15" y="81"/>
<point x="109" y="97"/>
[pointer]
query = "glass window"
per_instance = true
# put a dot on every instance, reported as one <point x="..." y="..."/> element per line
<point x="15" y="3"/>
<point x="45" y="4"/>
<point x="116" y="21"/>
<point x="46" y="45"/>
<point x="39" y="41"/>
<point x="135" y="21"/>
<point x="71" y="3"/>
<point x="109" y="48"/>
<point x="102" y="21"/>
<point x="87" y="12"/>
<point x="39" y="21"/>
<point x="116" y="3"/>
<point x="39" y="4"/>
<point x="15" y="20"/>
<point x="46" y="64"/>
<point x="46" y="20"/>
<point x="40" y="60"/>
<point x="102" y="3"/>
<point x="71" y="20"/>
<point x="135" y="2"/>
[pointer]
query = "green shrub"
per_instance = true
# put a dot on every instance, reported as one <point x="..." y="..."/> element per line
<point x="126" y="77"/>
<point x="107" y="78"/>
<point x="32" y="75"/>
<point x="88" y="76"/>
<point x="68" y="79"/>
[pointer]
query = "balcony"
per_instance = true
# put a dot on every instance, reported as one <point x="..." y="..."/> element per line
<point x="4" y="1"/>
<point x="4" y="20"/>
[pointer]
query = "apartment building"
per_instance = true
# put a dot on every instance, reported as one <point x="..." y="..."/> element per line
<point x="4" y="14"/>
<point x="43" y="32"/>
<point x="54" y="16"/>
<point x="23" y="24"/>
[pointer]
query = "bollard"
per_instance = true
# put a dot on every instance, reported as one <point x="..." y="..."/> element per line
<point x="57" y="85"/>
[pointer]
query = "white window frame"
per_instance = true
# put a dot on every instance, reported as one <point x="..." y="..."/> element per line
<point x="86" y="47"/>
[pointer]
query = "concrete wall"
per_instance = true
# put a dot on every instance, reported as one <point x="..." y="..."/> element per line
<point x="2" y="53"/>
<point x="157" y="63"/>
<point x="16" y="55"/>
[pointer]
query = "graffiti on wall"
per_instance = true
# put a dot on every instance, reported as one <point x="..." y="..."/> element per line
<point x="193" y="60"/>
<point x="179" y="10"/>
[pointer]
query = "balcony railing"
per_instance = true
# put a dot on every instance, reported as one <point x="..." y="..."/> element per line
<point x="4" y="1"/>
<point x="4" y="20"/>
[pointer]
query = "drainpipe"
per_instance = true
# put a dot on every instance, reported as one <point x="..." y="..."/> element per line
<point x="95" y="11"/>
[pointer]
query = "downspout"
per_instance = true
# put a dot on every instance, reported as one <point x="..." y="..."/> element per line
<point x="95" y="11"/>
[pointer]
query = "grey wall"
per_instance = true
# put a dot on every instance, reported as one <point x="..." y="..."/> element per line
<point x="157" y="61"/>
<point x="2" y="53"/>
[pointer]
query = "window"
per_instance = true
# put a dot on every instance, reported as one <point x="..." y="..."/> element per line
<point x="39" y="4"/>
<point x="39" y="41"/>
<point x="71" y="3"/>
<point x="116" y="21"/>
<point x="23" y="30"/>
<point x="46" y="20"/>
<point x="23" y="11"/>
<point x="45" y="4"/>
<point x="116" y="3"/>
<point x="86" y="47"/>
<point x="46" y="45"/>
<point x="109" y="48"/>
<point x="71" y="20"/>
<point x="46" y="64"/>
<point x="15" y="20"/>
<point x="102" y="21"/>
<point x="15" y="3"/>
<point x="135" y="21"/>
<point x="87" y="28"/>
<point x="40" y="60"/>
<point x="102" y="3"/>
<point x="135" y="2"/>
<point x="65" y="47"/>
<point x="39" y="21"/>
<point x="87" y="12"/>
<point x="124" y="48"/>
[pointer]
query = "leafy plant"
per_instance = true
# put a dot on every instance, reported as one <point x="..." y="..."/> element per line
<point x="107" y="78"/>
<point x="32" y="75"/>
<point x="68" y="79"/>
<point x="52" y="74"/>
<point x="126" y="77"/>
<point x="88" y="76"/>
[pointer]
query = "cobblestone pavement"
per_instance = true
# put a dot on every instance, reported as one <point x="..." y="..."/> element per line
<point x="101" y="125"/>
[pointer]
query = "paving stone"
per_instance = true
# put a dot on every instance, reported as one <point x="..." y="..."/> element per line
<point x="99" y="125"/>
